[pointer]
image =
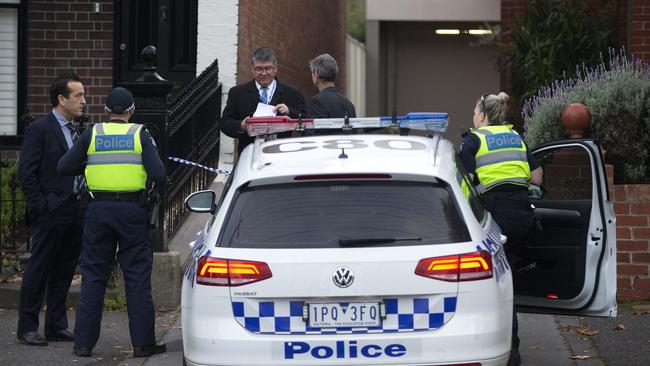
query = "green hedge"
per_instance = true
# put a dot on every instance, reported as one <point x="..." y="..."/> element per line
<point x="12" y="212"/>
<point x="617" y="93"/>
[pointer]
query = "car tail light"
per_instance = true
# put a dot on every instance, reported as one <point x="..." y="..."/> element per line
<point x="461" y="267"/>
<point x="230" y="272"/>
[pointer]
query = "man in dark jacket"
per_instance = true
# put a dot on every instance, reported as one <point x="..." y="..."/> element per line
<point x="265" y="88"/>
<point x="329" y="102"/>
<point x="56" y="213"/>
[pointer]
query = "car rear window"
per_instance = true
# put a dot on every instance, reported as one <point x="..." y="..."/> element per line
<point x="343" y="214"/>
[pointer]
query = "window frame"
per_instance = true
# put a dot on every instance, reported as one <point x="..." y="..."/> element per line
<point x="21" y="71"/>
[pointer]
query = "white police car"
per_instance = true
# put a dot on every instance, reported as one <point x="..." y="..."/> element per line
<point x="366" y="250"/>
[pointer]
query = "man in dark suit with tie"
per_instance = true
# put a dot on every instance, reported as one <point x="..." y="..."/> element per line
<point x="329" y="102"/>
<point x="56" y="213"/>
<point x="265" y="88"/>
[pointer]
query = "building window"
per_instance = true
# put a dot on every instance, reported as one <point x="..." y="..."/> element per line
<point x="8" y="68"/>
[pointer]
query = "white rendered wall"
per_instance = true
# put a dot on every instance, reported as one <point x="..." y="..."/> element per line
<point x="217" y="39"/>
<point x="356" y="74"/>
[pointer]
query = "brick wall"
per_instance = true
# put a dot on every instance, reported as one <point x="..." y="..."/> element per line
<point x="639" y="44"/>
<point x="568" y="175"/>
<point x="298" y="31"/>
<point x="632" y="207"/>
<point x="69" y="36"/>
<point x="512" y="11"/>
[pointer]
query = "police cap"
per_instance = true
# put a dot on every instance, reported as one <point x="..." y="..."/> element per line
<point x="119" y="101"/>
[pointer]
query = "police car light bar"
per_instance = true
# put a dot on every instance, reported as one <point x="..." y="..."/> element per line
<point x="432" y="122"/>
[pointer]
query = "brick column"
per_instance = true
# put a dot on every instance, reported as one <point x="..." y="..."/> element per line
<point x="632" y="206"/>
<point x="639" y="44"/>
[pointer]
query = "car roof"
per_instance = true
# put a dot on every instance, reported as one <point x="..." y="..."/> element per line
<point x="409" y="157"/>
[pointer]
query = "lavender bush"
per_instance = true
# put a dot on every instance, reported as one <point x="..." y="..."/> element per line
<point x="617" y="93"/>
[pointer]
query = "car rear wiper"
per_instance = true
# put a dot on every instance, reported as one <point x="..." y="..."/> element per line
<point x="371" y="241"/>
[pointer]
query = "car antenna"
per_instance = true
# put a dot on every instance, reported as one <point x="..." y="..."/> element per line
<point x="343" y="155"/>
<point x="402" y="131"/>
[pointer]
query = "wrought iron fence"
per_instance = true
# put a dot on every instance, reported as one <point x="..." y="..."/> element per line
<point x="193" y="134"/>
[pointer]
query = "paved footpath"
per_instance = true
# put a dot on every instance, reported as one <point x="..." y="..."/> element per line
<point x="113" y="347"/>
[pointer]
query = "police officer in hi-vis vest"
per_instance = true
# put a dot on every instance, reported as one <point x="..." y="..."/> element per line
<point x="502" y="169"/>
<point x="117" y="158"/>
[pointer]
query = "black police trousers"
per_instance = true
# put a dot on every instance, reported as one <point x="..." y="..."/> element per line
<point x="512" y="211"/>
<point x="111" y="226"/>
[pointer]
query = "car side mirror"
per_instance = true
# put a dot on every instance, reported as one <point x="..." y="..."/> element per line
<point x="503" y="239"/>
<point x="201" y="202"/>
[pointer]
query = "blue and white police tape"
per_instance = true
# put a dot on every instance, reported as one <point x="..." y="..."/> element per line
<point x="187" y="162"/>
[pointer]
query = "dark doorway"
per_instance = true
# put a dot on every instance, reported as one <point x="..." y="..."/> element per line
<point x="169" y="25"/>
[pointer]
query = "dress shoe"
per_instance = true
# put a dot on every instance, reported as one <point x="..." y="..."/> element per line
<point x="146" y="351"/>
<point x="82" y="351"/>
<point x="32" y="339"/>
<point x="62" y="335"/>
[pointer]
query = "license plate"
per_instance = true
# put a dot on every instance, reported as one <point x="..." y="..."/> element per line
<point x="351" y="314"/>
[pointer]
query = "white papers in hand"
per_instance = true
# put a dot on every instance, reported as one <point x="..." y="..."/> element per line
<point x="264" y="110"/>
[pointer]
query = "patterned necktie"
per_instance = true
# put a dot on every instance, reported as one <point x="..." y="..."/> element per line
<point x="79" y="180"/>
<point x="73" y="131"/>
<point x="264" y="97"/>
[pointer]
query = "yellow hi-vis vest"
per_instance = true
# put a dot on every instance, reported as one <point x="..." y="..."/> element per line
<point x="501" y="159"/>
<point x="115" y="158"/>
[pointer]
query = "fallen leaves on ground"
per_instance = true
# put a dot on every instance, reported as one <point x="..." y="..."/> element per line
<point x="11" y="279"/>
<point x="586" y="331"/>
<point x="641" y="309"/>
<point x="581" y="357"/>
<point x="566" y="328"/>
<point x="619" y="327"/>
<point x="580" y="330"/>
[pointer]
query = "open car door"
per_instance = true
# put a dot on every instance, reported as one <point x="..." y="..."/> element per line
<point x="573" y="244"/>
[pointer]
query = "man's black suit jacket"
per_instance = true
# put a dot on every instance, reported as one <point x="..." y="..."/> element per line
<point x="242" y="102"/>
<point x="43" y="145"/>
<point x="329" y="103"/>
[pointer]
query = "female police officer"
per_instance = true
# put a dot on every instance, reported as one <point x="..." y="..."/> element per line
<point x="502" y="168"/>
<point x="117" y="158"/>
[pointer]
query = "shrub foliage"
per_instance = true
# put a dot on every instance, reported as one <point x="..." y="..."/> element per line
<point x="553" y="37"/>
<point x="616" y="92"/>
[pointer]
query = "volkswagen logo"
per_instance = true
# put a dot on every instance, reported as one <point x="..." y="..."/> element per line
<point x="343" y="277"/>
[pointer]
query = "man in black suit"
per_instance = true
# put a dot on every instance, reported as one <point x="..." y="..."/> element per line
<point x="55" y="211"/>
<point x="265" y="88"/>
<point x="329" y="102"/>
